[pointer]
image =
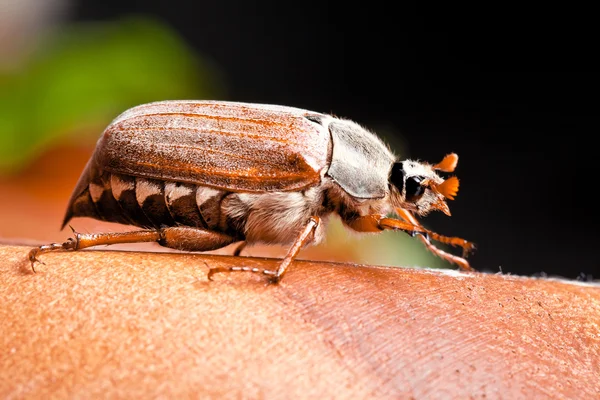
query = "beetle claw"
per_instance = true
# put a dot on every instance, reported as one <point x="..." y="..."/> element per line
<point x="213" y="271"/>
<point x="34" y="259"/>
<point x="70" y="244"/>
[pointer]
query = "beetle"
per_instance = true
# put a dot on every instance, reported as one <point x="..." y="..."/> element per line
<point x="200" y="175"/>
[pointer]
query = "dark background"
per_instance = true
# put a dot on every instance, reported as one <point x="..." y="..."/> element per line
<point x="510" y="90"/>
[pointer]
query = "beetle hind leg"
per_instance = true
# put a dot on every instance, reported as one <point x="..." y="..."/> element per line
<point x="179" y="238"/>
<point x="70" y="244"/>
<point x="81" y="241"/>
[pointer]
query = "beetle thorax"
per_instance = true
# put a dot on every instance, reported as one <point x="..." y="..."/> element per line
<point x="360" y="161"/>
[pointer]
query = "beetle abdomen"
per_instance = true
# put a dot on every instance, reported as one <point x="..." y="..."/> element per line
<point x="147" y="203"/>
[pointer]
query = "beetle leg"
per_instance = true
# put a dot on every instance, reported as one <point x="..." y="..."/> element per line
<point x="81" y="241"/>
<point x="376" y="223"/>
<point x="453" y="241"/>
<point x="305" y="236"/>
<point x="193" y="239"/>
<point x="239" y="248"/>
<point x="425" y="235"/>
<point x="180" y="238"/>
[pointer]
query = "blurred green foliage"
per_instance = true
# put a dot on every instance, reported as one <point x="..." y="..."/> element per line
<point x="83" y="76"/>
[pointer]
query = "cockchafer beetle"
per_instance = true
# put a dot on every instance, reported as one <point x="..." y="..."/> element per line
<point x="200" y="175"/>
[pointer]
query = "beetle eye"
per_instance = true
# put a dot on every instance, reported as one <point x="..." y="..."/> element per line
<point x="414" y="190"/>
<point x="397" y="176"/>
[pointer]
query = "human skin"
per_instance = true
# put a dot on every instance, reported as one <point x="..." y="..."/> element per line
<point x="144" y="324"/>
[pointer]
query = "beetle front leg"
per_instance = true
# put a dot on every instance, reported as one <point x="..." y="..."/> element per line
<point x="453" y="241"/>
<point x="377" y="223"/>
<point x="305" y="236"/>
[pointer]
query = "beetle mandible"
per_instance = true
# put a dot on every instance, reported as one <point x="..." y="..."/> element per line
<point x="200" y="175"/>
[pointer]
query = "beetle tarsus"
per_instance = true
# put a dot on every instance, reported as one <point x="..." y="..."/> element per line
<point x="468" y="248"/>
<point x="70" y="244"/>
<point x="33" y="258"/>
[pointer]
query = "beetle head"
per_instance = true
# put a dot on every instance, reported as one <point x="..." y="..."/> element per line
<point x="416" y="186"/>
